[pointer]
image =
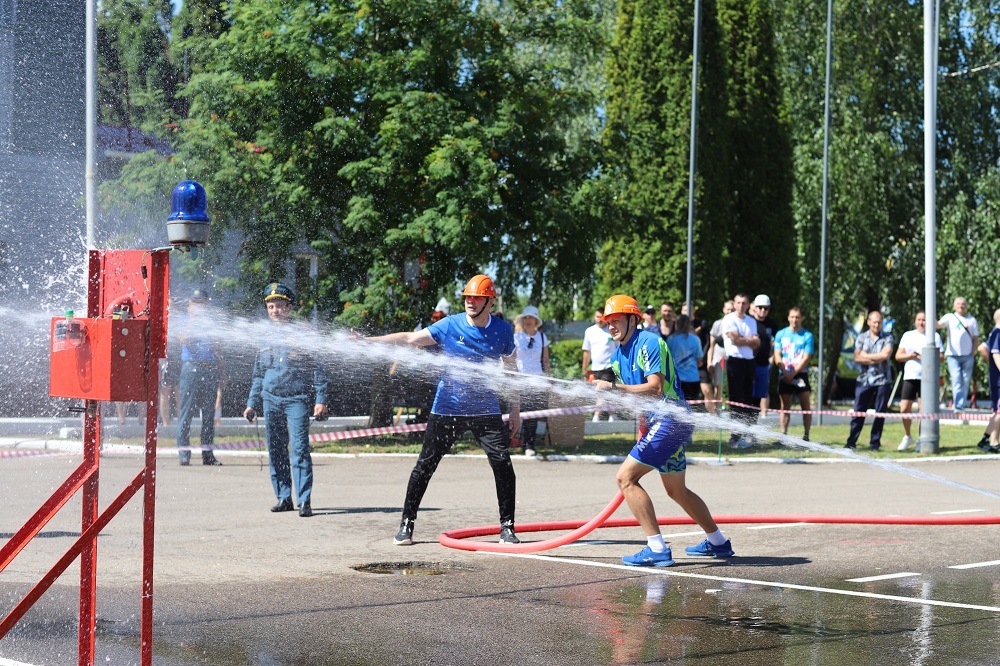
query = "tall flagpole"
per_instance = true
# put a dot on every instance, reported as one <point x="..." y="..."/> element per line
<point x="693" y="164"/>
<point x="826" y="201"/>
<point x="930" y="368"/>
<point x="90" y="170"/>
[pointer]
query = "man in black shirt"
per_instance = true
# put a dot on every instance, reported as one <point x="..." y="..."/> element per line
<point x="766" y="328"/>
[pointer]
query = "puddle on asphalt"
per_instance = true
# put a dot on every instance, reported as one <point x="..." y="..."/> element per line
<point x="409" y="568"/>
<point x="658" y="620"/>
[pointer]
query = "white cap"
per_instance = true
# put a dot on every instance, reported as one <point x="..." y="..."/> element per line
<point x="443" y="305"/>
<point x="531" y="311"/>
<point x="762" y="301"/>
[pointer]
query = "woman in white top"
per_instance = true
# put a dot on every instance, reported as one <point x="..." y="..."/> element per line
<point x="532" y="359"/>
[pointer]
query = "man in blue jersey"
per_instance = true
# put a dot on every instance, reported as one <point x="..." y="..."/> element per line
<point x="643" y="368"/>
<point x="465" y="403"/>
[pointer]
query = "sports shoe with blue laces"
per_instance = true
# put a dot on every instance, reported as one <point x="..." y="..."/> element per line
<point x="706" y="549"/>
<point x="647" y="558"/>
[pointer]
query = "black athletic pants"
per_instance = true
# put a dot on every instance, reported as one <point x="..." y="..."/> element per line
<point x="442" y="431"/>
<point x="740" y="373"/>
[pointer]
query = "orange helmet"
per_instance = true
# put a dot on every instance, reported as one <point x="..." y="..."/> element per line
<point x="480" y="285"/>
<point x="621" y="304"/>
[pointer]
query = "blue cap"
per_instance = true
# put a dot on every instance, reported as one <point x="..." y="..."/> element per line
<point x="276" y="290"/>
<point x="189" y="202"/>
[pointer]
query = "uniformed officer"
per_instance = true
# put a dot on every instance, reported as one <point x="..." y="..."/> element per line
<point x="201" y="370"/>
<point x="284" y="380"/>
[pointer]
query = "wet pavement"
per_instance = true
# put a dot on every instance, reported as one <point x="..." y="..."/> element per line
<point x="236" y="584"/>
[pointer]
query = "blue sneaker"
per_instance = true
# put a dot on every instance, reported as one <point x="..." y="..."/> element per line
<point x="647" y="558"/>
<point x="706" y="549"/>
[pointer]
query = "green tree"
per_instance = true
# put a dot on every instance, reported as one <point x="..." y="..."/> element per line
<point x="761" y="255"/>
<point x="136" y="79"/>
<point x="411" y="143"/>
<point x="875" y="154"/>
<point x="647" y="141"/>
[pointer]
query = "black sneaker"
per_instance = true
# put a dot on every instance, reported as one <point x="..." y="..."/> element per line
<point x="507" y="533"/>
<point x="404" y="537"/>
<point x="210" y="459"/>
<point x="984" y="444"/>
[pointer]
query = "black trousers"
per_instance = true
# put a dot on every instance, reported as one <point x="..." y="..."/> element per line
<point x="493" y="436"/>
<point x="740" y="373"/>
<point x="531" y="401"/>
<point x="864" y="398"/>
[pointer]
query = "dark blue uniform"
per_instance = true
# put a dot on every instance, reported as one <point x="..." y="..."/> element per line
<point x="199" y="386"/>
<point x="284" y="379"/>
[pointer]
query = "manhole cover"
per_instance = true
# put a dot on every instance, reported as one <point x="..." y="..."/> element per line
<point x="407" y="568"/>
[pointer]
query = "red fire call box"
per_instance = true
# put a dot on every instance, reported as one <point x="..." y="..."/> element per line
<point x="98" y="359"/>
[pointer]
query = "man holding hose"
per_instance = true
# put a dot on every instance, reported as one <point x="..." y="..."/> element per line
<point x="643" y="368"/>
<point x="465" y="403"/>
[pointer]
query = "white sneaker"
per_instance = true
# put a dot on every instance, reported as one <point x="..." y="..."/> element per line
<point x="529" y="453"/>
<point x="597" y="417"/>
<point x="611" y="417"/>
<point x="906" y="443"/>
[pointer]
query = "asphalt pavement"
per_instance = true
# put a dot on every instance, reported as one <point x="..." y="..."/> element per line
<point x="236" y="584"/>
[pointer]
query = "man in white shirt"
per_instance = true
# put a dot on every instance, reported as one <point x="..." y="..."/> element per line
<point x="598" y="345"/>
<point x="963" y="339"/>
<point x="910" y="346"/>
<point x="716" y="355"/>
<point x="739" y="334"/>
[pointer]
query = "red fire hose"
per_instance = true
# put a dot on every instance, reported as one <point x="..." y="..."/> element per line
<point x="456" y="538"/>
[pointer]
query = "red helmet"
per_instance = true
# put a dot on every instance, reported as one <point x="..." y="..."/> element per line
<point x="621" y="304"/>
<point x="480" y="285"/>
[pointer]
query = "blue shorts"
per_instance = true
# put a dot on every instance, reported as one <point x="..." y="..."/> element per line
<point x="662" y="447"/>
<point x="761" y="382"/>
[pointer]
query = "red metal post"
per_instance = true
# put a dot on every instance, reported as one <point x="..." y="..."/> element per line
<point x="88" y="556"/>
<point x="114" y="279"/>
<point x="158" y="290"/>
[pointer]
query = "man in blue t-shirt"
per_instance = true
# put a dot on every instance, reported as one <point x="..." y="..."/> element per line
<point x="643" y="368"/>
<point x="793" y="348"/>
<point x="464" y="402"/>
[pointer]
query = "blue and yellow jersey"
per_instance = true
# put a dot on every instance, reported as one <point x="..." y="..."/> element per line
<point x="647" y="354"/>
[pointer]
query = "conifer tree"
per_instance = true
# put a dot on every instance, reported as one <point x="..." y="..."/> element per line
<point x="647" y="141"/>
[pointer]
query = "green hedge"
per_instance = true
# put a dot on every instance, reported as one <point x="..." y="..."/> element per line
<point x="567" y="356"/>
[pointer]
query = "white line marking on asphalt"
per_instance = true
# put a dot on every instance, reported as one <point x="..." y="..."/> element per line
<point x="975" y="564"/>
<point x="657" y="571"/>
<point x="948" y="513"/>
<point x="869" y="579"/>
<point x="771" y="527"/>
<point x="680" y="534"/>
<point x="585" y="543"/>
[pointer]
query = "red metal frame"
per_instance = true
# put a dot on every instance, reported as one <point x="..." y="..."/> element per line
<point x="142" y="279"/>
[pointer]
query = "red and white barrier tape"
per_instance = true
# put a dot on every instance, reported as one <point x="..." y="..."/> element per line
<point x="22" y="453"/>
<point x="536" y="414"/>
<point x="416" y="427"/>
<point x="936" y="416"/>
<point x="317" y="437"/>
